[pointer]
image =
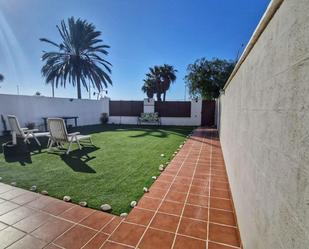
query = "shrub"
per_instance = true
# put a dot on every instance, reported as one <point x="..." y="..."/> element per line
<point x="104" y="118"/>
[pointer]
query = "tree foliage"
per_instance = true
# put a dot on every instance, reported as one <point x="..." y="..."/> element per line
<point x="78" y="58"/>
<point x="205" y="77"/>
<point x="158" y="81"/>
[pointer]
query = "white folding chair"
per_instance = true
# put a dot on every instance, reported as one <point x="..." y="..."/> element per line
<point x="24" y="133"/>
<point x="59" y="134"/>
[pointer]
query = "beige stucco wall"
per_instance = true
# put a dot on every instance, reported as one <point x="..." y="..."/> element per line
<point x="264" y="131"/>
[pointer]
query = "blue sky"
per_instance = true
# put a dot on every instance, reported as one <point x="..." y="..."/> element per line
<point x="141" y="33"/>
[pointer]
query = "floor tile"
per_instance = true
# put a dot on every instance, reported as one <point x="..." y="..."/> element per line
<point x="140" y="216"/>
<point x="165" y="222"/>
<point x="212" y="245"/>
<point x="12" y="193"/>
<point x="155" y="193"/>
<point x="52" y="229"/>
<point x="7" y="206"/>
<point x="198" y="200"/>
<point x="57" y="207"/>
<point x="16" y="215"/>
<point x="25" y="198"/>
<point x="171" y="207"/>
<point x="154" y="239"/>
<point x="28" y="242"/>
<point x="52" y="246"/>
<point x="128" y="234"/>
<point x="75" y="238"/>
<point x="220" y="193"/>
<point x="196" y="190"/>
<point x="9" y="235"/>
<point x="113" y="245"/>
<point x="222" y="217"/>
<point x="40" y="203"/>
<point x="221" y="204"/>
<point x="2" y="226"/>
<point x="161" y="184"/>
<point x="96" y="241"/>
<point x="76" y="213"/>
<point x="183" y="242"/>
<point x="223" y="234"/>
<point x="112" y="225"/>
<point x="180" y="187"/>
<point x="32" y="222"/>
<point x="196" y="212"/>
<point x="97" y="220"/>
<point x="149" y="203"/>
<point x="176" y="196"/>
<point x="194" y="228"/>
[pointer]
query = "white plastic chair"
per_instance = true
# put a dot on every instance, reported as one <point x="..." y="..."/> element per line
<point x="59" y="134"/>
<point x="24" y="133"/>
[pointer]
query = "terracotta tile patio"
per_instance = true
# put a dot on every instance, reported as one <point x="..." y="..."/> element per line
<point x="189" y="206"/>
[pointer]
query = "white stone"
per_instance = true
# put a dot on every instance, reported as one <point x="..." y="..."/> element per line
<point x="44" y="192"/>
<point x="0" y="178"/>
<point x="133" y="203"/>
<point x="161" y="168"/>
<point x="162" y="155"/>
<point x="33" y="188"/>
<point x="13" y="183"/>
<point x="106" y="207"/>
<point x="145" y="189"/>
<point x="123" y="215"/>
<point x="83" y="203"/>
<point x="67" y="198"/>
<point x="154" y="177"/>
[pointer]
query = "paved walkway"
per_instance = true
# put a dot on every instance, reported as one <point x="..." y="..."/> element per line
<point x="187" y="207"/>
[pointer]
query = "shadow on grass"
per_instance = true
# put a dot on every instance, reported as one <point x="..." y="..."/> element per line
<point x="148" y="130"/>
<point x="77" y="159"/>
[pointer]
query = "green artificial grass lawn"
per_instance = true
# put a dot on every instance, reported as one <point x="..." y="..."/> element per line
<point x="114" y="172"/>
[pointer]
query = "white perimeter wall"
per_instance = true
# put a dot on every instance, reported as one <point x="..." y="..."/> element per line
<point x="33" y="108"/>
<point x="265" y="134"/>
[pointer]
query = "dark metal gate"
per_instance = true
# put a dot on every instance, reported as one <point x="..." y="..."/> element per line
<point x="208" y="113"/>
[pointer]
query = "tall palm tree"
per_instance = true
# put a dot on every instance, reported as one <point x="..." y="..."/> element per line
<point x="149" y="87"/>
<point x="78" y="58"/>
<point x="168" y="75"/>
<point x="155" y="76"/>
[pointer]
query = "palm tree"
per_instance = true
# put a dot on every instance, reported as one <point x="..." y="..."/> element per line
<point x="78" y="57"/>
<point x="155" y="76"/>
<point x="168" y="75"/>
<point x="149" y="87"/>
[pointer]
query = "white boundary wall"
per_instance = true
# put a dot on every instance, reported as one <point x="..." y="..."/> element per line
<point x="33" y="108"/>
<point x="264" y="131"/>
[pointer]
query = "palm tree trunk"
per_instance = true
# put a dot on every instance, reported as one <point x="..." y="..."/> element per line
<point x="53" y="89"/>
<point x="79" y="93"/>
<point x="159" y="97"/>
<point x="164" y="95"/>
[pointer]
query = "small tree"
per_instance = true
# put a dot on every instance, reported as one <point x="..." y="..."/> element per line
<point x="205" y="77"/>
